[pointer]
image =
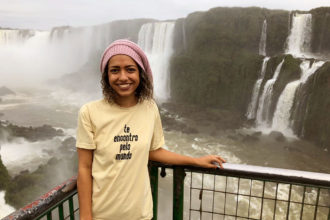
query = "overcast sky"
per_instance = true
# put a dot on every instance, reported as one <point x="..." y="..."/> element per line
<point x="44" y="14"/>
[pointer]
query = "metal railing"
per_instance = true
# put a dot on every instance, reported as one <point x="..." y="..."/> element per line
<point x="59" y="203"/>
<point x="236" y="192"/>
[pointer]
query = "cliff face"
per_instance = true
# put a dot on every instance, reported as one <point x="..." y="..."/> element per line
<point x="219" y="55"/>
<point x="320" y="30"/>
<point x="216" y="64"/>
<point x="313" y="110"/>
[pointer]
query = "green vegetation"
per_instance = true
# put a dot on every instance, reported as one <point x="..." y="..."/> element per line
<point x="216" y="64"/>
<point x="4" y="176"/>
<point x="30" y="133"/>
<point x="221" y="57"/>
<point x="315" y="103"/>
<point x="320" y="30"/>
<point x="27" y="187"/>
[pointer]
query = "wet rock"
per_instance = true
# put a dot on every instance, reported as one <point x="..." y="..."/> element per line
<point x="31" y="133"/>
<point x="5" y="91"/>
<point x="257" y="134"/>
<point x="49" y="152"/>
<point x="278" y="136"/>
<point x="250" y="138"/>
<point x="68" y="145"/>
<point x="189" y="130"/>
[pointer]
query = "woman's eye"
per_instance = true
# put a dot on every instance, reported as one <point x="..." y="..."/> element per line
<point x="113" y="70"/>
<point x="131" y="70"/>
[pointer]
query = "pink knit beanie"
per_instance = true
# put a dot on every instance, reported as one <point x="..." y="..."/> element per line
<point x="128" y="48"/>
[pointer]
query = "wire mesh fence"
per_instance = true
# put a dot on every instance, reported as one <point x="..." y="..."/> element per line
<point x="224" y="197"/>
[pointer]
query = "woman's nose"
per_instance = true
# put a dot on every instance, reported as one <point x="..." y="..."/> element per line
<point x="123" y="75"/>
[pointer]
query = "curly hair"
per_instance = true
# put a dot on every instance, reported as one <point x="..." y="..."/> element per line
<point x="144" y="91"/>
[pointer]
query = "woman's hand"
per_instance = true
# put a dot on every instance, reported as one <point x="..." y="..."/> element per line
<point x="210" y="161"/>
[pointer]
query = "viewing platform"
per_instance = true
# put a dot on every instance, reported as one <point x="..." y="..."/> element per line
<point x="235" y="192"/>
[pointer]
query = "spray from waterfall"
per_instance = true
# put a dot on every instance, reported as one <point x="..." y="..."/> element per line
<point x="263" y="38"/>
<point x="266" y="99"/>
<point x="282" y="116"/>
<point x="299" y="39"/>
<point x="251" y="112"/>
<point x="31" y="57"/>
<point x="156" y="39"/>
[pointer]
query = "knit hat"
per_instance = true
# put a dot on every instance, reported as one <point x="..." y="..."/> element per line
<point x="130" y="49"/>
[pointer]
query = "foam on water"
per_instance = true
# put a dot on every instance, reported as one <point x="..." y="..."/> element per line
<point x="5" y="209"/>
<point x="20" y="154"/>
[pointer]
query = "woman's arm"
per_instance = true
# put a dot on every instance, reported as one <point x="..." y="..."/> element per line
<point x="84" y="183"/>
<point x="165" y="156"/>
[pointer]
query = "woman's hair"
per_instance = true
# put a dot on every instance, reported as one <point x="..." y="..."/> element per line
<point x="144" y="90"/>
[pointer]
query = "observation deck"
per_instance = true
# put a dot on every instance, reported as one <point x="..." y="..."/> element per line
<point x="235" y="192"/>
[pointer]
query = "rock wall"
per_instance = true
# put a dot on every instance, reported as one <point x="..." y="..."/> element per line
<point x="216" y="64"/>
<point x="219" y="55"/>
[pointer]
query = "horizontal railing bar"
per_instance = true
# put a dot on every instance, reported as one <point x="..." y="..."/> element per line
<point x="262" y="173"/>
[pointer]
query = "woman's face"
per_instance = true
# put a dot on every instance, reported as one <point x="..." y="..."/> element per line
<point x="124" y="77"/>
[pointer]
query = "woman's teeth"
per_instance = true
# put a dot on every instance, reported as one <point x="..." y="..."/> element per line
<point x="123" y="86"/>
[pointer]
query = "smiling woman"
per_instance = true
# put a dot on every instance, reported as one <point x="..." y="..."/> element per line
<point x="116" y="137"/>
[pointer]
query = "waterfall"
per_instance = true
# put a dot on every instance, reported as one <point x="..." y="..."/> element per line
<point x="146" y="34"/>
<point x="266" y="98"/>
<point x="184" y="38"/>
<point x="251" y="112"/>
<point x="263" y="37"/>
<point x="41" y="55"/>
<point x="298" y="42"/>
<point x="282" y="115"/>
<point x="8" y="37"/>
<point x="156" y="39"/>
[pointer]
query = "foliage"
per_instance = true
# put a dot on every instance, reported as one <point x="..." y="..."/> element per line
<point x="4" y="176"/>
<point x="27" y="187"/>
<point x="320" y="30"/>
<point x="221" y="57"/>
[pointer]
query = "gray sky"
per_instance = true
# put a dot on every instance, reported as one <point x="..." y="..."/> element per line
<point x="44" y="14"/>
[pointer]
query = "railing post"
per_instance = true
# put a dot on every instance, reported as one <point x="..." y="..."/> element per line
<point x="153" y="172"/>
<point x="178" y="189"/>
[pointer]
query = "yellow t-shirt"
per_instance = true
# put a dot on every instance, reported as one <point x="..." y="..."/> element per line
<point x="121" y="139"/>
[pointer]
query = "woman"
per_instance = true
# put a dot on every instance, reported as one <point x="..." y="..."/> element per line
<point x="116" y="137"/>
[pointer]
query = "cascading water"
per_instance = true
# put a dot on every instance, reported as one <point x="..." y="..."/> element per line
<point x="251" y="112"/>
<point x="266" y="98"/>
<point x="14" y="36"/>
<point x="44" y="54"/>
<point x="156" y="39"/>
<point x="281" y="119"/>
<point x="184" y="38"/>
<point x="263" y="38"/>
<point x="298" y="42"/>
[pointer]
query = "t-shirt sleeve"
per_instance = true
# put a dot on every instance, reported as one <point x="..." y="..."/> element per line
<point x="158" y="135"/>
<point x="85" y="133"/>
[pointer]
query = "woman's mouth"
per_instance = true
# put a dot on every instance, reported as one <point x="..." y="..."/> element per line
<point x="124" y="86"/>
